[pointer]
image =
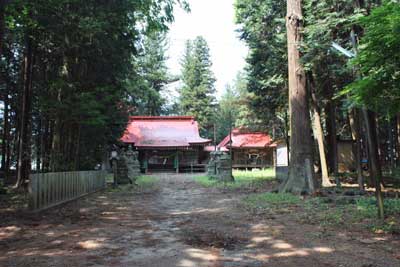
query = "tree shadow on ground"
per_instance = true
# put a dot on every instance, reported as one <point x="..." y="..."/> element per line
<point x="180" y="224"/>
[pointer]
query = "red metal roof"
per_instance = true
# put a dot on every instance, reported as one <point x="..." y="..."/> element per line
<point x="241" y="139"/>
<point x="162" y="132"/>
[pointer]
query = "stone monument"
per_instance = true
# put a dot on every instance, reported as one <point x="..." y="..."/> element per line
<point x="132" y="164"/>
<point x="220" y="166"/>
<point x="211" y="166"/>
<point x="224" y="168"/>
<point x="128" y="167"/>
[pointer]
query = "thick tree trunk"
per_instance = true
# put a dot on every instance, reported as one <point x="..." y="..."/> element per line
<point x="355" y="125"/>
<point x="24" y="151"/>
<point x="381" y="150"/>
<point x="5" y="129"/>
<point x="56" y="154"/>
<point x="301" y="173"/>
<point x="47" y="146"/>
<point x="392" y="148"/>
<point x="319" y="134"/>
<point x="332" y="141"/>
<point x="376" y="173"/>
<point x="5" y="144"/>
<point x="395" y="142"/>
<point x="39" y="143"/>
<point x="398" y="140"/>
<point x="5" y="153"/>
<point x="77" y="149"/>
<point x="55" y="147"/>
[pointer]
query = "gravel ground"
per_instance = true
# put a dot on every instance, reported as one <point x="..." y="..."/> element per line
<point x="179" y="223"/>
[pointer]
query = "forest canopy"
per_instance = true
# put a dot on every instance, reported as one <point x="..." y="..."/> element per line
<point x="66" y="77"/>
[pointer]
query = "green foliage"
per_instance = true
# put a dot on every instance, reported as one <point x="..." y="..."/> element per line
<point x="234" y="108"/>
<point x="151" y="75"/>
<point x="262" y="27"/>
<point x="94" y="61"/>
<point x="197" y="95"/>
<point x="367" y="207"/>
<point x="379" y="61"/>
<point x="245" y="116"/>
<point x="362" y="210"/>
<point x="225" y="117"/>
<point x="328" y="21"/>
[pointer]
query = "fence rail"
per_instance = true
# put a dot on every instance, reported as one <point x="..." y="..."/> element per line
<point x="47" y="190"/>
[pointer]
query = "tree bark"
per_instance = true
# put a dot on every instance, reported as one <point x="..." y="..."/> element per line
<point x="398" y="140"/>
<point x="39" y="142"/>
<point x="287" y="137"/>
<point x="55" y="146"/>
<point x="381" y="150"/>
<point x="319" y="134"/>
<point x="332" y="140"/>
<point x="24" y="155"/>
<point x="301" y="173"/>
<point x="5" y="132"/>
<point x="77" y="149"/>
<point x="355" y="120"/>
<point x="376" y="173"/>
<point x="395" y="142"/>
<point x="5" y="160"/>
<point x="5" y="129"/>
<point x="391" y="134"/>
<point x="47" y="145"/>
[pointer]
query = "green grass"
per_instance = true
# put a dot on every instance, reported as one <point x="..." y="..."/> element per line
<point x="206" y="181"/>
<point x="367" y="208"/>
<point x="267" y="200"/>
<point x="146" y="181"/>
<point x="266" y="174"/>
<point x="363" y="212"/>
<point x="325" y="212"/>
<point x="242" y="179"/>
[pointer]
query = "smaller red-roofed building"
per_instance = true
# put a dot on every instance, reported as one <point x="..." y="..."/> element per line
<point x="166" y="142"/>
<point x="249" y="149"/>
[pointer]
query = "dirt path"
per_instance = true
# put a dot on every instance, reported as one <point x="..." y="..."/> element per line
<point x="180" y="224"/>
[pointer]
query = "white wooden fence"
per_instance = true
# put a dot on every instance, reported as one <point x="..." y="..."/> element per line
<point x="47" y="190"/>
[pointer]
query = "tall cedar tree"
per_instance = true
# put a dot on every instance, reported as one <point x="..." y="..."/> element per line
<point x="197" y="95"/>
<point x="234" y="107"/>
<point x="301" y="167"/>
<point x="326" y="21"/>
<point x="378" y="85"/>
<point x="262" y="27"/>
<point x="150" y="77"/>
<point x="64" y="67"/>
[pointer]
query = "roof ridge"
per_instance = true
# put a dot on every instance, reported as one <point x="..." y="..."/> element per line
<point x="247" y="131"/>
<point x="161" y="118"/>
